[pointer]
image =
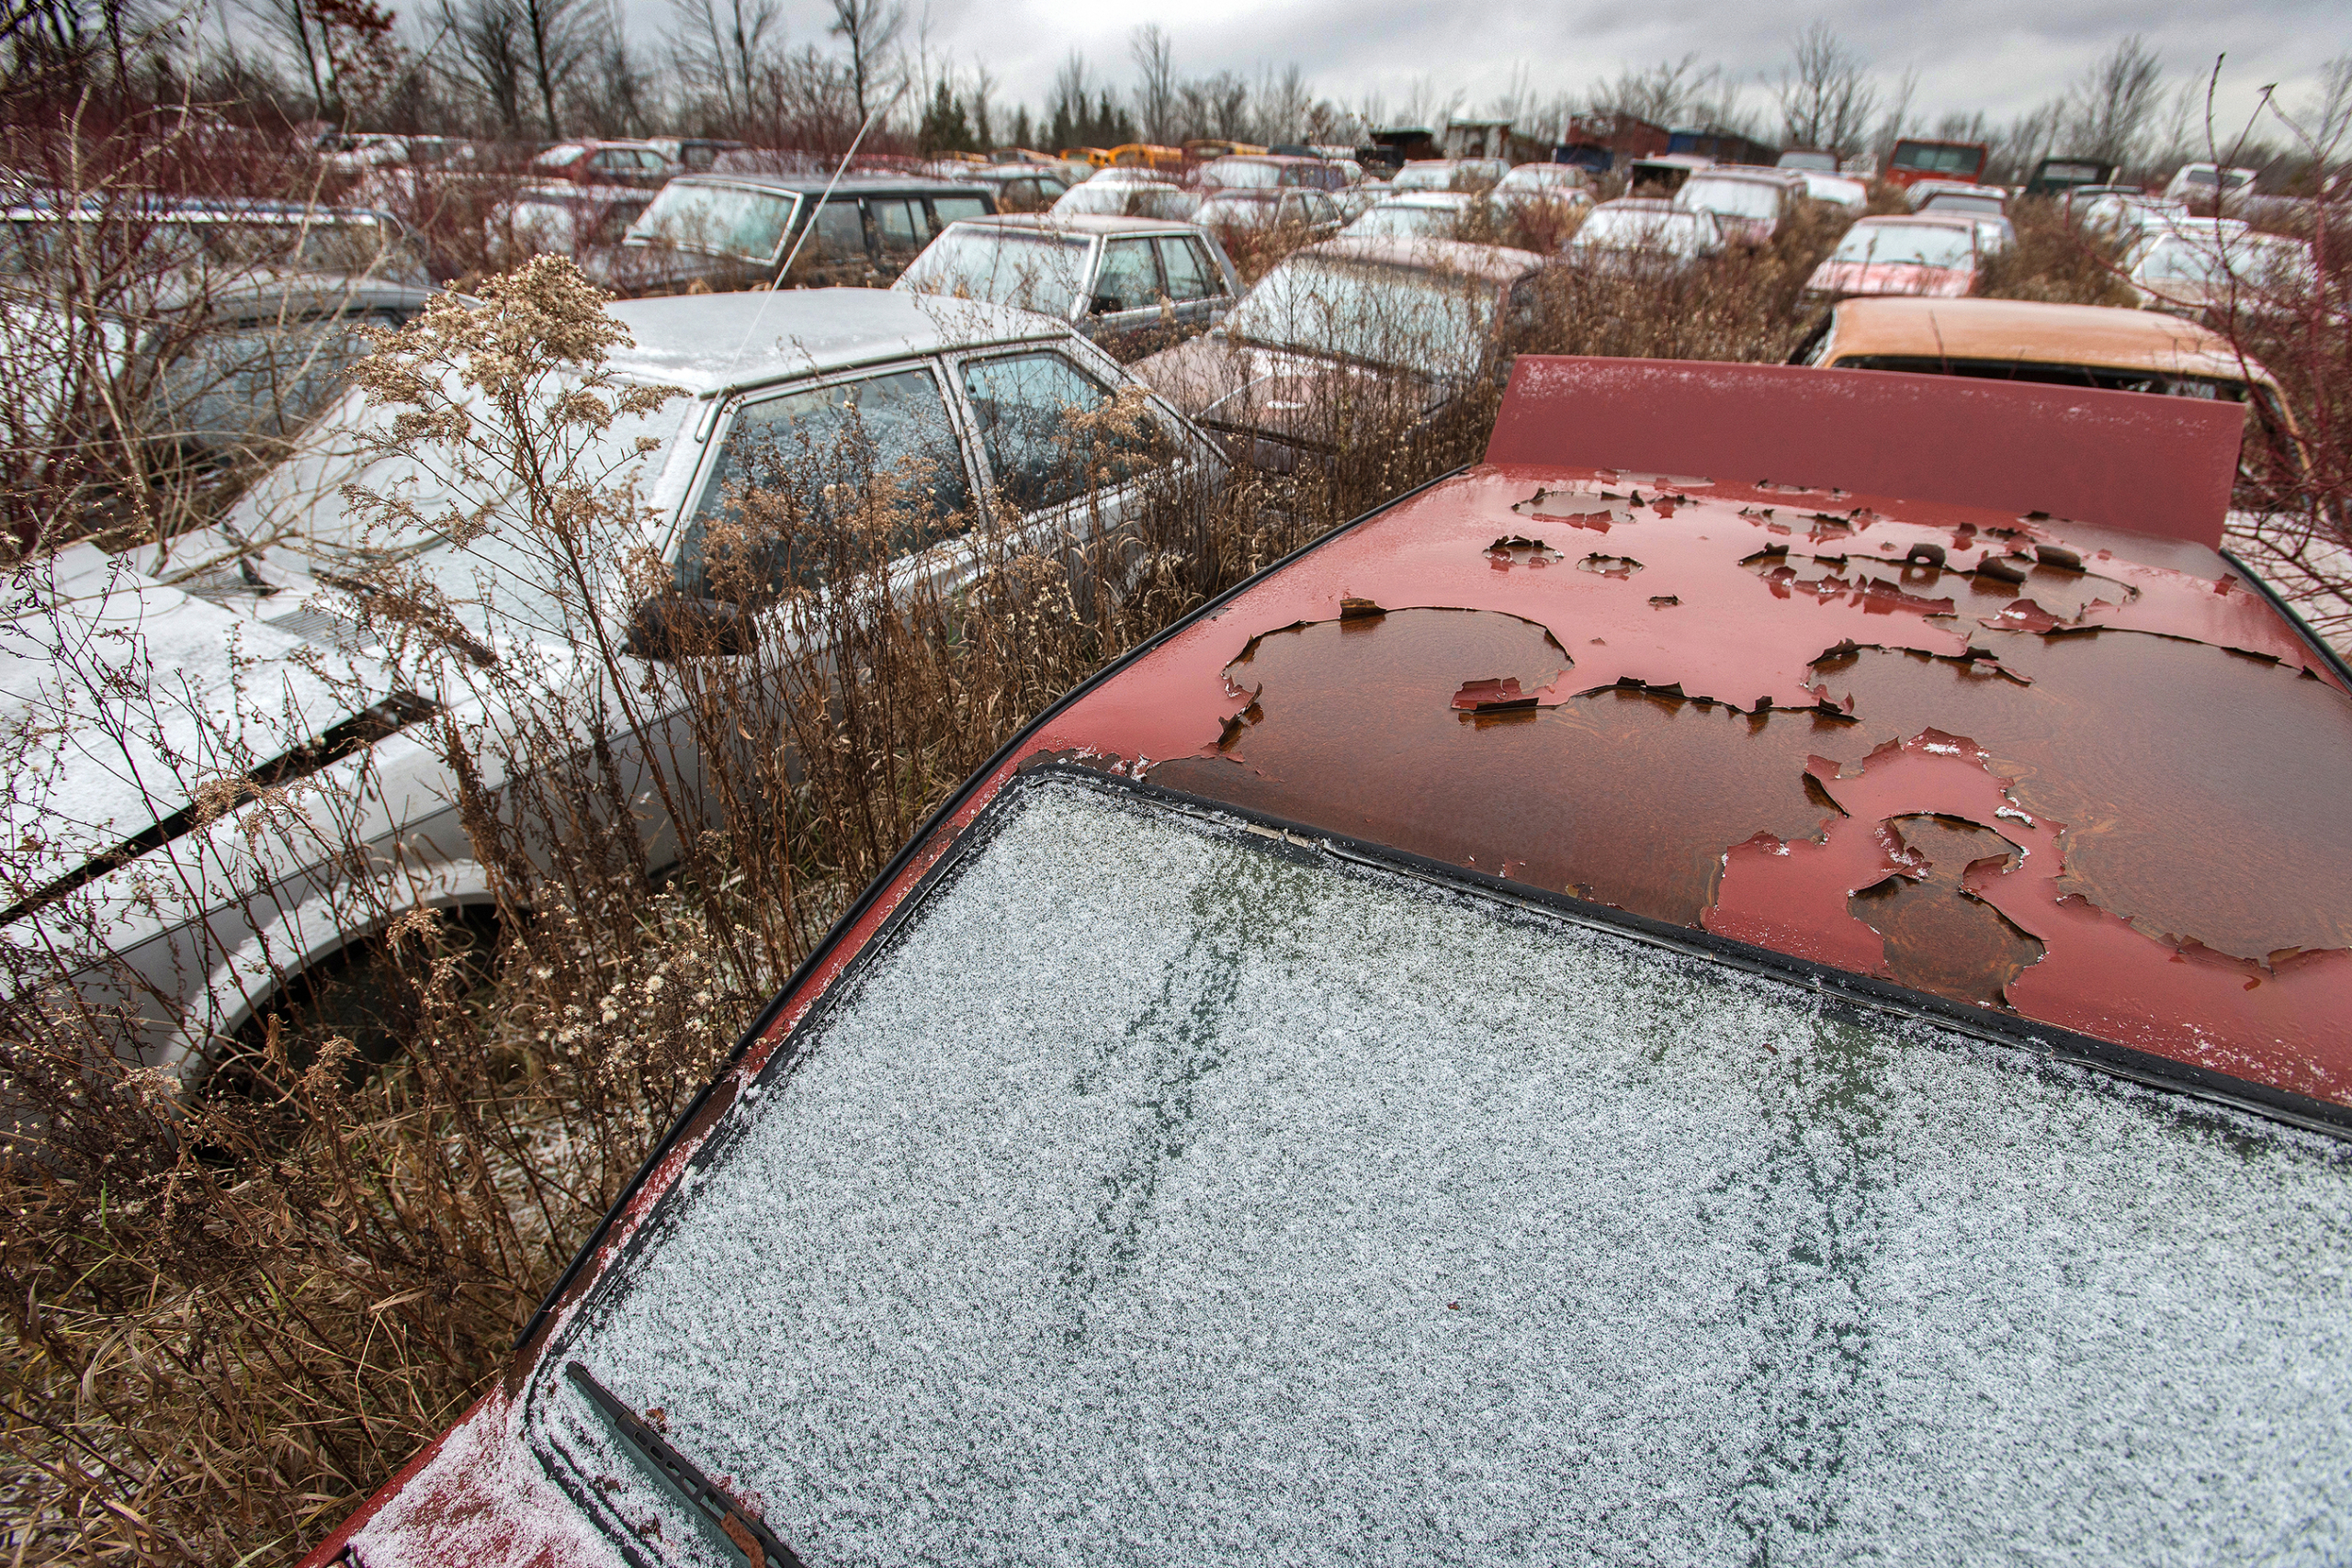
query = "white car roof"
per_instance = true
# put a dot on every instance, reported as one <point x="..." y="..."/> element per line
<point x="707" y="343"/>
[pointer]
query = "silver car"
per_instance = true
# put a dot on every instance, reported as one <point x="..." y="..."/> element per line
<point x="190" y="777"/>
<point x="1133" y="285"/>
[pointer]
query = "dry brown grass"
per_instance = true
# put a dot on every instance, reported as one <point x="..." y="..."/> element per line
<point x="232" y="1317"/>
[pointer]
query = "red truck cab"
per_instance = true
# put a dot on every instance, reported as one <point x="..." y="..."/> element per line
<point x="1918" y="160"/>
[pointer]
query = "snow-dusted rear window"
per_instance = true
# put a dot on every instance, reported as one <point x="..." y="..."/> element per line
<point x="1161" y="1193"/>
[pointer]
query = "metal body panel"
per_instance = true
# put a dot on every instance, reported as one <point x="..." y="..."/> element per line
<point x="2160" y="465"/>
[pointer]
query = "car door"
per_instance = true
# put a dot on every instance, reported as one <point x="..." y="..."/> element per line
<point x="898" y="229"/>
<point x="1127" y="310"/>
<point x="807" y="484"/>
<point x="1200" y="289"/>
<point x="1031" y="409"/>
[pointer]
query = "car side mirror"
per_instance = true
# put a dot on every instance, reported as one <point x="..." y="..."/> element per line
<point x="672" y="625"/>
<point x="1106" y="305"/>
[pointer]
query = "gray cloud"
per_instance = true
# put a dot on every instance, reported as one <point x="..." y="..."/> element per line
<point x="2001" y="56"/>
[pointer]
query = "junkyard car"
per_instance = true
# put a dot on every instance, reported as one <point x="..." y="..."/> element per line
<point x="1348" y="336"/>
<point x="1543" y="183"/>
<point x="1156" y="198"/>
<point x="2203" y="187"/>
<point x="1958" y="196"/>
<point x="1311" y="212"/>
<point x="1266" y="172"/>
<point x="2060" y="175"/>
<point x="2192" y="265"/>
<point x="572" y="220"/>
<point x="1591" y="1016"/>
<point x="1836" y="190"/>
<point x="1417" y="215"/>
<point x="734" y="231"/>
<point x="1020" y="187"/>
<point x="1748" y="204"/>
<point x="1638" y="236"/>
<point x="1450" y="174"/>
<point x="1131" y="284"/>
<point x="255" y="629"/>
<point x="1913" y="159"/>
<point x="1918" y="255"/>
<point x="606" y="164"/>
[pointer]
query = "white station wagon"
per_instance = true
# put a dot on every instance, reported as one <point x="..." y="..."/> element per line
<point x="237" y="654"/>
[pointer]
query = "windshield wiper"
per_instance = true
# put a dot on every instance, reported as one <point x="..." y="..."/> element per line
<point x="709" y="1502"/>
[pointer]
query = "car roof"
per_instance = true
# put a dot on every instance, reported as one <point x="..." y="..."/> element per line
<point x="2038" y="333"/>
<point x="1433" y="199"/>
<point x="1915" y="219"/>
<point x="816" y="185"/>
<point x="709" y="343"/>
<point x="1498" y="263"/>
<point x="1079" y="223"/>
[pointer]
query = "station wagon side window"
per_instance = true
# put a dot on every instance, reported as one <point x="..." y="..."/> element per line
<point x="1190" y="275"/>
<point x="947" y="209"/>
<point x="814" y="484"/>
<point x="1129" y="279"/>
<point x="896" y="225"/>
<point x="840" y="235"/>
<point x="1023" y="404"/>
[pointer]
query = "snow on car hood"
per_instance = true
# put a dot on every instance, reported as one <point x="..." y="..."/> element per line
<point x="124" y="698"/>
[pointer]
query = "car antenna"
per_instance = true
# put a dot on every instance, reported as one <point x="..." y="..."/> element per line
<point x="811" y="227"/>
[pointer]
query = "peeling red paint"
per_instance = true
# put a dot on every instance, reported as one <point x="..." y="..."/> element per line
<point x="2201" y="786"/>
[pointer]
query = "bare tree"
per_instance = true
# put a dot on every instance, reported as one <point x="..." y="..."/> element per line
<point x="725" y="46"/>
<point x="869" y="27"/>
<point x="1825" y="98"/>
<point x="2327" y="117"/>
<point x="1895" y="122"/>
<point x="493" y="52"/>
<point x="1154" y="53"/>
<point x="2114" y="106"/>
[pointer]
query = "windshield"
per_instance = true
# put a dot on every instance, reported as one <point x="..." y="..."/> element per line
<point x="1623" y="230"/>
<point x="1936" y="158"/>
<point x="1242" y="174"/>
<point x="721" y="219"/>
<point x="1385" y="315"/>
<point x="1952" y="201"/>
<point x="1035" y="272"/>
<point x="1736" y="198"/>
<point x="1423" y="177"/>
<point x="1908" y="244"/>
<point x="1256" y="1207"/>
<point x="1399" y="221"/>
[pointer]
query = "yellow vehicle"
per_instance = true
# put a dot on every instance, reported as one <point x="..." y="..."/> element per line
<point x="1145" y="155"/>
<point x="1092" y="157"/>
<point x="1215" y="148"/>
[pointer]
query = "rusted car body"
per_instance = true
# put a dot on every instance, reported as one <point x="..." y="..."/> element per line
<point x="1914" y="159"/>
<point x="1924" y="253"/>
<point x="1751" y="992"/>
<point x="1133" y="285"/>
<point x="1348" y="336"/>
<point x="1960" y="197"/>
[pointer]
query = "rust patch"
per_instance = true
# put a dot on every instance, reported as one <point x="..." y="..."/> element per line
<point x="2238" y="840"/>
<point x="1359" y="610"/>
<point x="1940" y="937"/>
<point x="2285" y="1024"/>
<point x="1626" y="796"/>
<point x="1515" y="549"/>
<point x="1620" y="567"/>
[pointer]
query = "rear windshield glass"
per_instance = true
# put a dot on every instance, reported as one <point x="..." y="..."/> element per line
<point x="1739" y="198"/>
<point x="1159" y="1193"/>
<point x="1929" y="156"/>
<point x="1035" y="272"/>
<point x="1911" y="244"/>
<point x="1385" y="315"/>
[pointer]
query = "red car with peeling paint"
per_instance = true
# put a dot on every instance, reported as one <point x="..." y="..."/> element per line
<point x="1766" y="972"/>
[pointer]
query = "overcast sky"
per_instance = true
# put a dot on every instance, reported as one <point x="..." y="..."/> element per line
<point x="2002" y="56"/>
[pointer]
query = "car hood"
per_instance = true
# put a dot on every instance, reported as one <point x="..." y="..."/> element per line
<point x="1284" y="394"/>
<point x="1892" y="277"/>
<point x="129" y="704"/>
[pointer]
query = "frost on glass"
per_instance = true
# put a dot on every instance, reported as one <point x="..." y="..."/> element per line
<point x="1156" y="1195"/>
